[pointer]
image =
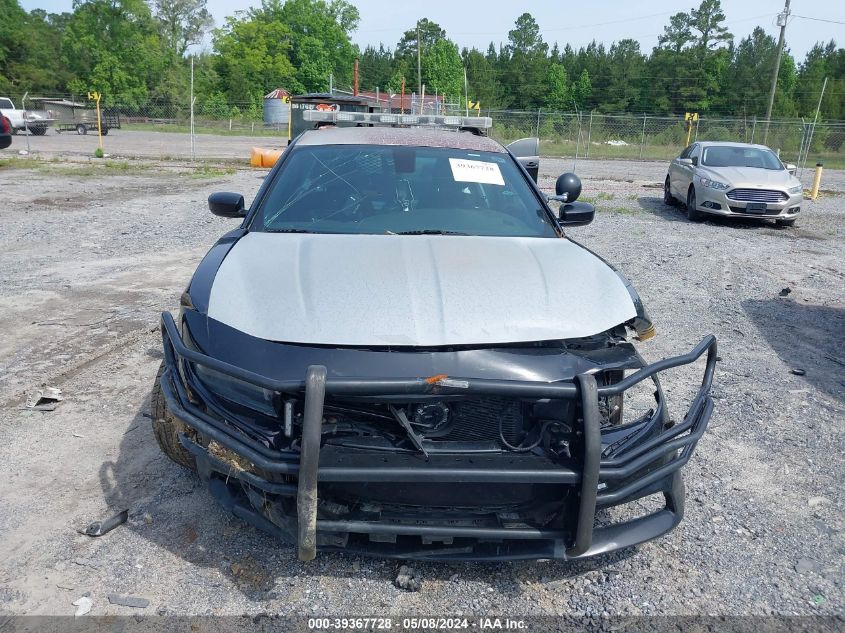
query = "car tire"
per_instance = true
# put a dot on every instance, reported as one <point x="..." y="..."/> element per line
<point x="81" y="129"/>
<point x="167" y="429"/>
<point x="668" y="199"/>
<point x="785" y="223"/>
<point x="105" y="131"/>
<point x="693" y="214"/>
<point x="38" y="131"/>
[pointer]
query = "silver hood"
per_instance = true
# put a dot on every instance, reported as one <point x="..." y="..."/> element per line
<point x="750" y="177"/>
<point x="416" y="290"/>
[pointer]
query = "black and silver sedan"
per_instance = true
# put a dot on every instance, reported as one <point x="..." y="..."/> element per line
<point x="733" y="179"/>
<point x="399" y="352"/>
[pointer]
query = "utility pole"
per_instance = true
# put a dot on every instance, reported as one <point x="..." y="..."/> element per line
<point x="419" y="62"/>
<point x="782" y="20"/>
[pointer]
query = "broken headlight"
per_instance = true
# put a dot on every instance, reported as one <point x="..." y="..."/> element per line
<point x="236" y="390"/>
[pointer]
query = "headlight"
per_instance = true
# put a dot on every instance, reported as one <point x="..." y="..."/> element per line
<point x="714" y="184"/>
<point x="235" y="390"/>
<point x="796" y="189"/>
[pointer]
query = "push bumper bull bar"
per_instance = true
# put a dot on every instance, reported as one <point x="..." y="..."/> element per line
<point x="674" y="446"/>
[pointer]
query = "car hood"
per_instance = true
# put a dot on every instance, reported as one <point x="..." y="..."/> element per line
<point x="750" y="176"/>
<point x="421" y="290"/>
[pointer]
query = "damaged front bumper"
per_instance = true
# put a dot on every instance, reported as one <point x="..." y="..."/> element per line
<point x="294" y="493"/>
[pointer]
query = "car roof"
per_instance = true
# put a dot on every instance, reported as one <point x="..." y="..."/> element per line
<point x="731" y="144"/>
<point x="413" y="136"/>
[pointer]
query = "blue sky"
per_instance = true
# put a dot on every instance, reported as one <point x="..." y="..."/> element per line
<point x="482" y="21"/>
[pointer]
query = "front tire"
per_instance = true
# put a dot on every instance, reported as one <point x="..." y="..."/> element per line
<point x="167" y="429"/>
<point x="38" y="131"/>
<point x="81" y="129"/>
<point x="668" y="199"/>
<point x="693" y="214"/>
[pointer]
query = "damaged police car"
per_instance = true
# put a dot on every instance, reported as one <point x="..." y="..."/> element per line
<point x="400" y="353"/>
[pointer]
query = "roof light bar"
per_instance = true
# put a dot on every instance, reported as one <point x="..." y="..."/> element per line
<point x="379" y="118"/>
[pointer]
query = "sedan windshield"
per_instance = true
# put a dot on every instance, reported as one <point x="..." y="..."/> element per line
<point x="729" y="156"/>
<point x="401" y="190"/>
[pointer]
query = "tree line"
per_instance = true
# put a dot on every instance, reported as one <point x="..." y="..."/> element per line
<point x="135" y="52"/>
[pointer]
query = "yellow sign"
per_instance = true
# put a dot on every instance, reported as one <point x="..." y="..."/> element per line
<point x="691" y="116"/>
<point x="474" y="105"/>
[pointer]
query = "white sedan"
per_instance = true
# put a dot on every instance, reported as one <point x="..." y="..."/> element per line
<point x="733" y="179"/>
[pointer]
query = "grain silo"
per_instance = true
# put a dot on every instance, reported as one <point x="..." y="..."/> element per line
<point x="276" y="108"/>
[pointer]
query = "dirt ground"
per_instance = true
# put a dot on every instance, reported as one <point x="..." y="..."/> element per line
<point x="90" y="257"/>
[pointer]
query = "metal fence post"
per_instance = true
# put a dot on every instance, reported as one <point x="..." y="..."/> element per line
<point x="589" y="136"/>
<point x="538" y="123"/>
<point x="753" y="127"/>
<point x="642" y="137"/>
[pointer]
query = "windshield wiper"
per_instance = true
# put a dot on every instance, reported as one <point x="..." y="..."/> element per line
<point x="289" y="231"/>
<point x="430" y="232"/>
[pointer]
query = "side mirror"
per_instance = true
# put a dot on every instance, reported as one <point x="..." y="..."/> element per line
<point x="567" y="188"/>
<point x="791" y="168"/>
<point x="685" y="161"/>
<point x="527" y="152"/>
<point x="694" y="161"/>
<point x="576" y="214"/>
<point x="227" y="204"/>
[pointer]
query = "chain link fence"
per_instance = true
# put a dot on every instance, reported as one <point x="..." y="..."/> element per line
<point x="648" y="137"/>
<point x="582" y="135"/>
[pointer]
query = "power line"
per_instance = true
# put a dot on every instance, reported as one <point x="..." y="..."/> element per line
<point x="806" y="17"/>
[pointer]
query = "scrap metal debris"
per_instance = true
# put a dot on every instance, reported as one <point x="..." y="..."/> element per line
<point x="45" y="399"/>
<point x="129" y="601"/>
<point x="83" y="605"/>
<point x="98" y="528"/>
<point x="785" y="291"/>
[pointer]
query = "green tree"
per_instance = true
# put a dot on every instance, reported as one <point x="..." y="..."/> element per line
<point x="582" y="90"/>
<point x="295" y="45"/>
<point x="182" y="23"/>
<point x="253" y="57"/>
<point x="376" y="67"/>
<point x="113" y="47"/>
<point x="624" y="82"/>
<point x="406" y="49"/>
<point x="677" y="35"/>
<point x="707" y="19"/>
<point x="482" y="79"/>
<point x="559" y="91"/>
<point x="320" y="39"/>
<point x="30" y="50"/>
<point x="524" y="64"/>
<point x="443" y="69"/>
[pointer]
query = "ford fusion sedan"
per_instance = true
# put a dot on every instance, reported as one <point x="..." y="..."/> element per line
<point x="399" y="352"/>
<point x="733" y="180"/>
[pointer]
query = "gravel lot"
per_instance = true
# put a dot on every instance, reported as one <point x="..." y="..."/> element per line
<point x="89" y="258"/>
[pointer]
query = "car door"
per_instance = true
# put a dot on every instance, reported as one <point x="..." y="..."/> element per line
<point x="686" y="171"/>
<point x="676" y="173"/>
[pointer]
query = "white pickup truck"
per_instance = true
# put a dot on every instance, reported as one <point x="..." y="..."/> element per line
<point x="36" y="120"/>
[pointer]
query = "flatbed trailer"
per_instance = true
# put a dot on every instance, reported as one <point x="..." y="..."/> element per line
<point x="72" y="116"/>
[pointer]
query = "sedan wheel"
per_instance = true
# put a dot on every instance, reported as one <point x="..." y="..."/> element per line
<point x="693" y="214"/>
<point x="668" y="198"/>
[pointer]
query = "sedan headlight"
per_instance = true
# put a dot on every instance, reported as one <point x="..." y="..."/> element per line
<point x="235" y="390"/>
<point x="714" y="184"/>
<point x="796" y="189"/>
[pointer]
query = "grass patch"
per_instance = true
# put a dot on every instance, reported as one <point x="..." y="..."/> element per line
<point x="57" y="166"/>
<point x="211" y="171"/>
<point x="624" y="211"/>
<point x="223" y="130"/>
<point x="604" y="195"/>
